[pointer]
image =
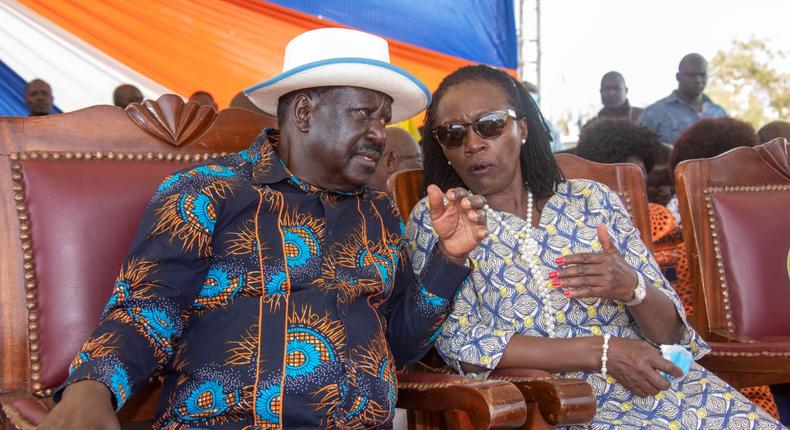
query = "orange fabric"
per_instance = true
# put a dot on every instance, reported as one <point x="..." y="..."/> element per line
<point x="218" y="46"/>
<point x="670" y="252"/>
<point x="762" y="397"/>
<point x="662" y="222"/>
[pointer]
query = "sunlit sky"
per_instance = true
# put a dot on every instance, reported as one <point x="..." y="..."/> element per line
<point x="644" y="40"/>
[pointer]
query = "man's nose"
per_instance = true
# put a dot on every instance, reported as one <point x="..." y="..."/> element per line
<point x="376" y="132"/>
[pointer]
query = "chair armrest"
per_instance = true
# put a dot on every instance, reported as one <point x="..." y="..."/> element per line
<point x="488" y="404"/>
<point x="560" y="401"/>
<point x="22" y="411"/>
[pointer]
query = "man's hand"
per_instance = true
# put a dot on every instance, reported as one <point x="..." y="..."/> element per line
<point x="635" y="364"/>
<point x="85" y="405"/>
<point x="603" y="274"/>
<point x="460" y="221"/>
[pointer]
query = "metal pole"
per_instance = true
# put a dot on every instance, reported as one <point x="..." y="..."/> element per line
<point x="520" y="37"/>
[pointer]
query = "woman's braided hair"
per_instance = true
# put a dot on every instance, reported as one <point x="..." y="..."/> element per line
<point x="538" y="167"/>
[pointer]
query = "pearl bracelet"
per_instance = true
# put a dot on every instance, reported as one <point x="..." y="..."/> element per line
<point x="604" y="354"/>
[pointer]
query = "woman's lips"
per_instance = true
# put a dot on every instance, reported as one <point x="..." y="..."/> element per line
<point x="480" y="168"/>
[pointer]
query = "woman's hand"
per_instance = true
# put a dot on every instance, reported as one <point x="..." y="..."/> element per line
<point x="460" y="221"/>
<point x="600" y="274"/>
<point x="635" y="364"/>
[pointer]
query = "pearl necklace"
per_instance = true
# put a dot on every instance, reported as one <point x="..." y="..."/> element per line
<point x="528" y="250"/>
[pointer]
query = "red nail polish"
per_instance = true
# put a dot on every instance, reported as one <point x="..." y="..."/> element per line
<point x="556" y="283"/>
<point x="560" y="260"/>
<point x="554" y="274"/>
<point x="567" y="293"/>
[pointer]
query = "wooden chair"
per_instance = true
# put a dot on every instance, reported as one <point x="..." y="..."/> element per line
<point x="734" y="209"/>
<point x="625" y="179"/>
<point x="553" y="401"/>
<point x="73" y="188"/>
<point x="550" y="401"/>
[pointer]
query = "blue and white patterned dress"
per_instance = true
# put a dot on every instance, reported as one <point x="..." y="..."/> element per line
<point x="495" y="303"/>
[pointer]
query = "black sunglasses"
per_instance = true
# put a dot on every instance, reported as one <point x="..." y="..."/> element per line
<point x="488" y="126"/>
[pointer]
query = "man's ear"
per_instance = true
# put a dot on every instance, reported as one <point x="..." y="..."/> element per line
<point x="391" y="161"/>
<point x="301" y="109"/>
<point x="677" y="77"/>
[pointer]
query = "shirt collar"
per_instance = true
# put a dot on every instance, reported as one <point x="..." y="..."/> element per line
<point x="622" y="110"/>
<point x="675" y="98"/>
<point x="269" y="168"/>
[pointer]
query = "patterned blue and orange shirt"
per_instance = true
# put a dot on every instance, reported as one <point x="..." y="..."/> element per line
<point x="265" y="302"/>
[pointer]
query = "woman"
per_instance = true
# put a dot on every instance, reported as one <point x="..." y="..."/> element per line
<point x="563" y="282"/>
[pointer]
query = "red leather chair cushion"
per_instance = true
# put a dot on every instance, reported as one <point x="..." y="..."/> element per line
<point x="755" y="240"/>
<point x="83" y="216"/>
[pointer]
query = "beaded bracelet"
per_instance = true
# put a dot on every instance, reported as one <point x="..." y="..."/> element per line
<point x="604" y="354"/>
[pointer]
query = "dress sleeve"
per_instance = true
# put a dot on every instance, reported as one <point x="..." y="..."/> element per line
<point x="471" y="333"/>
<point x="628" y="241"/>
<point x="159" y="280"/>
<point x="420" y="302"/>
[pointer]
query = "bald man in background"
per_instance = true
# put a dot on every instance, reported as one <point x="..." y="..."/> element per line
<point x="672" y="115"/>
<point x="241" y="101"/>
<point x="203" y="98"/>
<point x="614" y="99"/>
<point x="126" y="94"/>
<point x="401" y="152"/>
<point x="38" y="97"/>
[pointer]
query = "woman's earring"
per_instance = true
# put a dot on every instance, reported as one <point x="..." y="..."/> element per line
<point x="450" y="163"/>
<point x="524" y="141"/>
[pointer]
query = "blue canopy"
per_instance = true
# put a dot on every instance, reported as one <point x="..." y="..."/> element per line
<point x="482" y="31"/>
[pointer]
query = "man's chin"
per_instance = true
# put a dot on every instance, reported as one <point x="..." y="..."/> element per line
<point x="358" y="177"/>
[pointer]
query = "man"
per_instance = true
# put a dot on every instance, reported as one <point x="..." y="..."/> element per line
<point x="204" y="99"/>
<point x="614" y="98"/>
<point x="38" y="97"/>
<point x="272" y="288"/>
<point x="670" y="116"/>
<point x="126" y="94"/>
<point x="401" y="152"/>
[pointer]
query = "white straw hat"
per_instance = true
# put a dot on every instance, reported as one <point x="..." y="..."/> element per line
<point x="330" y="57"/>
